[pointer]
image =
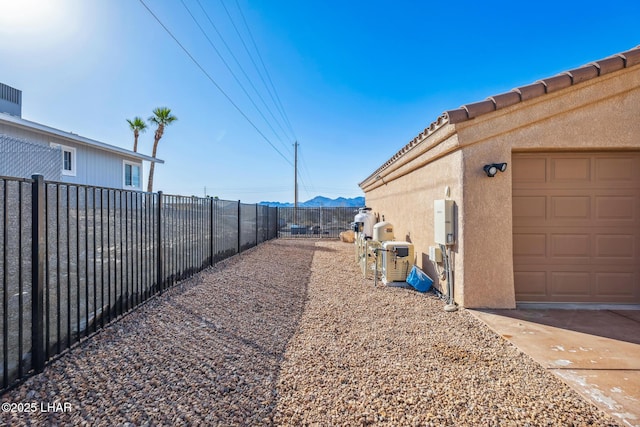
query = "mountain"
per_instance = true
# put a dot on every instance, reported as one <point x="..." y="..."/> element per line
<point x="320" y="201"/>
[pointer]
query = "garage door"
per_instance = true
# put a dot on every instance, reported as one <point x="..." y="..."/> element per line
<point x="576" y="227"/>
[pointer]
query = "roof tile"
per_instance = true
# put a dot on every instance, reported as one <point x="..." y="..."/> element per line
<point x="504" y="100"/>
<point x="531" y="91"/>
<point x="478" y="108"/>
<point x="609" y="65"/>
<point x="632" y="57"/>
<point x="622" y="60"/>
<point x="556" y="83"/>
<point x="584" y="73"/>
<point x="457" y="115"/>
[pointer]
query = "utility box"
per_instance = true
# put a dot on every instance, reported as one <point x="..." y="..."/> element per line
<point x="397" y="261"/>
<point x="383" y="231"/>
<point x="435" y="254"/>
<point x="443" y="222"/>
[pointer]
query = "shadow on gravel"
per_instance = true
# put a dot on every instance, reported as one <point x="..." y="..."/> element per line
<point x="258" y="304"/>
<point x="207" y="352"/>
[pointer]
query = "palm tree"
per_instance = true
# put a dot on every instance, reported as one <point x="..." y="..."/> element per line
<point x="137" y="125"/>
<point x="161" y="117"/>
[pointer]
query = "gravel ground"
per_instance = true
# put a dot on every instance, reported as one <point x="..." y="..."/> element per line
<point x="290" y="334"/>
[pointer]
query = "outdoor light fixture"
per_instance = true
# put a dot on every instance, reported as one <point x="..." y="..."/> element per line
<point x="492" y="169"/>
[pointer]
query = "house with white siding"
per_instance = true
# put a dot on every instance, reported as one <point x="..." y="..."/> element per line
<point x="27" y="148"/>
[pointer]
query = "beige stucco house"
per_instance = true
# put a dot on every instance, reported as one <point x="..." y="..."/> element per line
<point x="562" y="223"/>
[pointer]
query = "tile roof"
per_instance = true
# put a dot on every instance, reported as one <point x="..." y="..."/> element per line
<point x="551" y="84"/>
<point x="563" y="80"/>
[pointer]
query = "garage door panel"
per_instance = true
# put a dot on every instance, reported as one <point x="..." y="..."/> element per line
<point x="531" y="284"/>
<point x="530" y="245"/>
<point x="530" y="207"/>
<point x="615" y="208"/>
<point x="570" y="245"/>
<point x="571" y="169"/>
<point x="613" y="284"/>
<point x="570" y="283"/>
<point x="530" y="170"/>
<point x="576" y="233"/>
<point x="570" y="207"/>
<point x="616" y="246"/>
<point x="615" y="169"/>
<point x="568" y="210"/>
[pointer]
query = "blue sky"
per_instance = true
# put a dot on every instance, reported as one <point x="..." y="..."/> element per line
<point x="356" y="79"/>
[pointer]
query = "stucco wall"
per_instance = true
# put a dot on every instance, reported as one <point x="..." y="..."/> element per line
<point x="600" y="114"/>
<point x="486" y="213"/>
<point x="406" y="199"/>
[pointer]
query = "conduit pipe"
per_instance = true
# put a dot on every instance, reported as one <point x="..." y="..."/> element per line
<point x="446" y="259"/>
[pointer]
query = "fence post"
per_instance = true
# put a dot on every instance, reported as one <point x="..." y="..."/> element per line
<point x="159" y="245"/>
<point x="239" y="222"/>
<point x="211" y="245"/>
<point x="277" y="226"/>
<point x="38" y="247"/>
<point x="257" y="222"/>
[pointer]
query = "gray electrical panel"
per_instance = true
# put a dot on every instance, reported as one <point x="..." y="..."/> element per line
<point x="443" y="222"/>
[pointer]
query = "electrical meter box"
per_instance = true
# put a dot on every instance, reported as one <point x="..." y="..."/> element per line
<point x="443" y="222"/>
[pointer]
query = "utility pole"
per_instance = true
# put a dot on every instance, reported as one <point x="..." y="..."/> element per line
<point x="295" y="176"/>
<point x="295" y="183"/>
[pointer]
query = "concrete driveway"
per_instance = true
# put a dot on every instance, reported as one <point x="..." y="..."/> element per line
<point x="596" y="352"/>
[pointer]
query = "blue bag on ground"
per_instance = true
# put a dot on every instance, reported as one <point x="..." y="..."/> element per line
<point x="419" y="280"/>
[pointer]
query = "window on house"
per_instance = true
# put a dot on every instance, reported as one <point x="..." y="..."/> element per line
<point x="132" y="175"/>
<point x="68" y="159"/>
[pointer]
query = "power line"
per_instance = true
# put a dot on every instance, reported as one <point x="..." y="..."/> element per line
<point x="230" y="51"/>
<point x="229" y="68"/>
<point x="284" y="113"/>
<point x="186" y="51"/>
<point x="305" y="168"/>
<point x="251" y="57"/>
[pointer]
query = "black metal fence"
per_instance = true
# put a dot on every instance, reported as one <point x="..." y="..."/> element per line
<point x="315" y="222"/>
<point x="74" y="258"/>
